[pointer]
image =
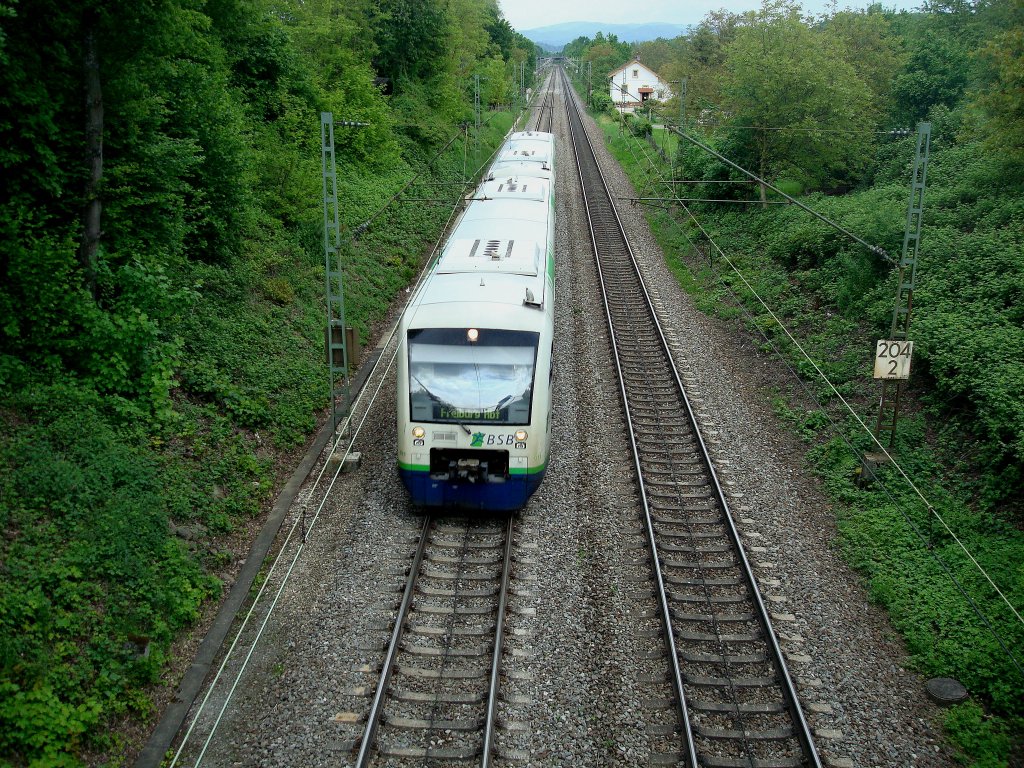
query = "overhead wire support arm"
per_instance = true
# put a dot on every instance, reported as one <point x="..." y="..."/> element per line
<point x="701" y="200"/>
<point x="875" y="249"/>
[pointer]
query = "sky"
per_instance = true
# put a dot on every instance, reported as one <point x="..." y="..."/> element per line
<point x="530" y="14"/>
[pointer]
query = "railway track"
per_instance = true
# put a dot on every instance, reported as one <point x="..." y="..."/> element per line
<point x="437" y="693"/>
<point x="545" y="110"/>
<point x="736" y="702"/>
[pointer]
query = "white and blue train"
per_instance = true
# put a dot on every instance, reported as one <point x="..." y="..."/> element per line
<point x="474" y="363"/>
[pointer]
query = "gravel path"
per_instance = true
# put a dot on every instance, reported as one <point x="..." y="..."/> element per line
<point x="583" y="672"/>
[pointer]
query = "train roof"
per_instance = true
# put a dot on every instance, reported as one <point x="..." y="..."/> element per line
<point x="493" y="271"/>
<point x="518" y="257"/>
<point x="520" y="169"/>
<point x="479" y="281"/>
<point x="511" y="187"/>
<point x="525" y="154"/>
<point x="529" y="150"/>
<point x="534" y="135"/>
<point x="498" y="212"/>
<point x="479" y="308"/>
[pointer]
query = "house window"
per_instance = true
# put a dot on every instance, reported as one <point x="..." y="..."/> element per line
<point x="636" y="73"/>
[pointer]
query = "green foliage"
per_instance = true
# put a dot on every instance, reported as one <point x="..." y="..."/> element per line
<point x="146" y="407"/>
<point x="794" y="103"/>
<point x="983" y="739"/>
<point x="601" y="101"/>
<point x="604" y="52"/>
<point x="638" y="125"/>
<point x="936" y="75"/>
<point x="1002" y="93"/>
<point x="872" y="49"/>
<point x="88" y="568"/>
<point x="412" y="37"/>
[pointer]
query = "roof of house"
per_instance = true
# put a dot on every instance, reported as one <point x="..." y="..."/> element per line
<point x="633" y="63"/>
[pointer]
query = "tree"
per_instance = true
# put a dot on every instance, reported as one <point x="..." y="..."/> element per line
<point x="1002" y="93"/>
<point x="412" y="39"/>
<point x="872" y="49"/>
<point x="704" y="63"/>
<point x="793" y="92"/>
<point x="936" y="73"/>
<point x="661" y="53"/>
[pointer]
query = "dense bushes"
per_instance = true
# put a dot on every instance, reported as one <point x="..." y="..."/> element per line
<point x="94" y="589"/>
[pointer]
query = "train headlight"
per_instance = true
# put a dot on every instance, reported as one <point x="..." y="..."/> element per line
<point x="418" y="432"/>
<point x="472" y="334"/>
<point x="521" y="435"/>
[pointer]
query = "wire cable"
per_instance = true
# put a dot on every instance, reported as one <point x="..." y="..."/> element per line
<point x="875" y="249"/>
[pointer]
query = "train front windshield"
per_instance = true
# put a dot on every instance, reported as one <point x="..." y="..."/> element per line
<point x="466" y="375"/>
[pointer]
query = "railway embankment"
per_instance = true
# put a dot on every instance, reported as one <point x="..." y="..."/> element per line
<point x="928" y="533"/>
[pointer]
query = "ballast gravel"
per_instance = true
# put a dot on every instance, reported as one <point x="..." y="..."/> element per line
<point x="583" y="671"/>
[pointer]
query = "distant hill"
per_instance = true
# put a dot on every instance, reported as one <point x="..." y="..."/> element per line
<point x="557" y="35"/>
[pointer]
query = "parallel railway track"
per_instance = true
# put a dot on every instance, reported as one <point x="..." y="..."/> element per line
<point x="437" y="694"/>
<point x="737" y="703"/>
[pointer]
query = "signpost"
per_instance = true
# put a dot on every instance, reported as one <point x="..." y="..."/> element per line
<point x="892" y="359"/>
<point x="892" y="356"/>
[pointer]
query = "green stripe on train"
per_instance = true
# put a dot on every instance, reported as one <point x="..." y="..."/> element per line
<point x="513" y="471"/>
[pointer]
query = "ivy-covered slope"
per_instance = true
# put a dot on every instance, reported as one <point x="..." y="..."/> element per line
<point x="161" y="313"/>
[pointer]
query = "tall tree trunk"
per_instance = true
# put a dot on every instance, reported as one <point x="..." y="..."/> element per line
<point x="91" y="230"/>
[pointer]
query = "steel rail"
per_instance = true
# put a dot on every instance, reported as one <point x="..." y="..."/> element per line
<point x="677" y="674"/>
<point x="491" y="717"/>
<point x="377" y="706"/>
<point x="801" y="727"/>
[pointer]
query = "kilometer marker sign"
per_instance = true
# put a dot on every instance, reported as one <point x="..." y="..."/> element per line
<point x="892" y="359"/>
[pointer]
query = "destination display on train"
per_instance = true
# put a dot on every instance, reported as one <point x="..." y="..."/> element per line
<point x="446" y="413"/>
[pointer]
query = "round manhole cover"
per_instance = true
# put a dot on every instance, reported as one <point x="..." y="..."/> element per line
<point x="946" y="690"/>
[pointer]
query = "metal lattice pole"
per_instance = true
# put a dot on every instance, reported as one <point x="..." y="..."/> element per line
<point x="337" y="348"/>
<point x="476" y="106"/>
<point x="888" y="407"/>
<point x="682" y="104"/>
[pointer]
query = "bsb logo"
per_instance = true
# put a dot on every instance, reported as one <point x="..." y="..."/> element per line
<point x="481" y="439"/>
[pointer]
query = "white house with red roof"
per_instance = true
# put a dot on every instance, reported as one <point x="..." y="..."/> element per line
<point x="632" y="84"/>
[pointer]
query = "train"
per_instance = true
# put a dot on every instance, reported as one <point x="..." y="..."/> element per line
<point x="474" y="359"/>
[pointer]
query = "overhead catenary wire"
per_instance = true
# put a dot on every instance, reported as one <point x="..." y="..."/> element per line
<point x="898" y="132"/>
<point x="364" y="225"/>
<point x="703" y="200"/>
<point x="360" y="228"/>
<point x="933" y="513"/>
<point x="875" y="249"/>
